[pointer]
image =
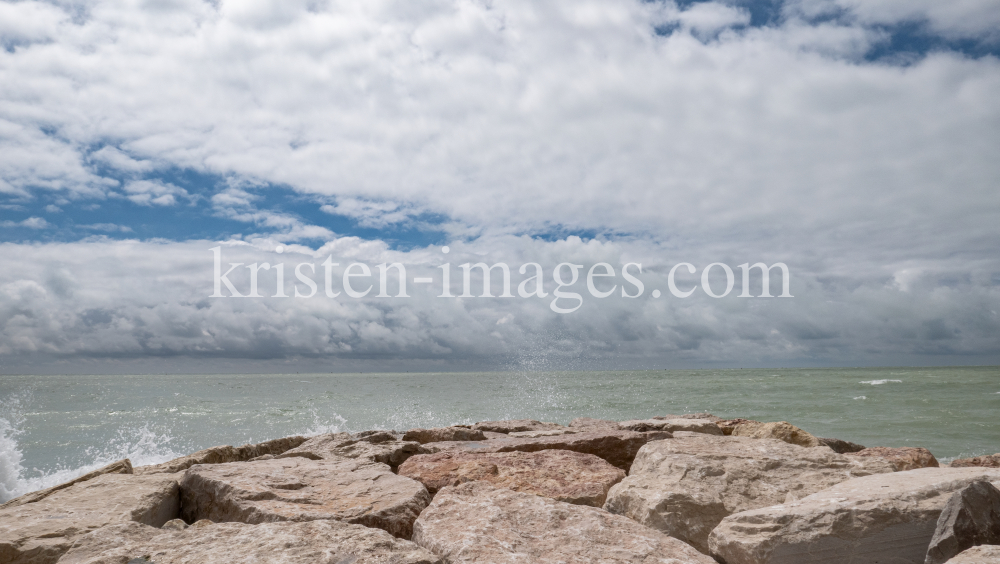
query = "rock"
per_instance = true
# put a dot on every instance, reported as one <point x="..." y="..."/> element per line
<point x="707" y="416"/>
<point x="386" y="448"/>
<point x="988" y="461"/>
<point x="515" y="425"/>
<point x="690" y="424"/>
<point x="439" y="434"/>
<point x="781" y="430"/>
<point x="985" y="554"/>
<point x="176" y="524"/>
<point x="123" y="466"/>
<point x="839" y="446"/>
<point x="591" y="424"/>
<point x="970" y="518"/>
<point x="550" y="433"/>
<point x="563" y="475"/>
<point x="881" y="518"/>
<point x="684" y="487"/>
<point x="299" y="489"/>
<point x="617" y="447"/>
<point x="477" y="522"/>
<point x="727" y="425"/>
<point x="40" y="532"/>
<point x="223" y="454"/>
<point x="904" y="458"/>
<point x="312" y="542"/>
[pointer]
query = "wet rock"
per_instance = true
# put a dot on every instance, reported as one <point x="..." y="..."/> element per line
<point x="123" y="466"/>
<point x="439" y="434"/>
<point x="987" y="461"/>
<point x="985" y="554"/>
<point x="591" y="424"/>
<point x="223" y="454"/>
<point x="880" y="518"/>
<point x="379" y="447"/>
<point x="299" y="489"/>
<point x="515" y="425"/>
<point x="684" y="487"/>
<point x="970" y="518"/>
<point x="312" y="542"/>
<point x="40" y="532"/>
<point x="617" y="447"/>
<point x="693" y="425"/>
<point x="781" y="430"/>
<point x="840" y="446"/>
<point x="905" y="458"/>
<point x="477" y="522"/>
<point x="563" y="475"/>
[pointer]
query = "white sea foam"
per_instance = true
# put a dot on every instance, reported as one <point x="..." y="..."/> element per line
<point x="861" y="397"/>
<point x="320" y="427"/>
<point x="880" y="382"/>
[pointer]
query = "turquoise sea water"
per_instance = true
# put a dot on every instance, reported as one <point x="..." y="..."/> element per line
<point x="53" y="428"/>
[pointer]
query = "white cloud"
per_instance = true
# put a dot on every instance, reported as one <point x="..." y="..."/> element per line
<point x="31" y="223"/>
<point x="155" y="192"/>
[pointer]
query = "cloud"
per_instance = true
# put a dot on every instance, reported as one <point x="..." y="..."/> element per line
<point x="158" y="193"/>
<point x="30" y="223"/>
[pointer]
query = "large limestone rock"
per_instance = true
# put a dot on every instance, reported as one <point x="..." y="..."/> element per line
<point x="617" y="447"/>
<point x="40" y="532"/>
<point x="591" y="424"/>
<point x="728" y="425"/>
<point x="693" y="425"/>
<point x="841" y="446"/>
<point x="904" y="458"/>
<point x="299" y="489"/>
<point x="562" y="475"/>
<point x="781" y="430"/>
<point x="382" y="447"/>
<point x="476" y="522"/>
<point x="223" y="454"/>
<point x="986" y="554"/>
<point x="874" y="519"/>
<point x="515" y="425"/>
<point x="971" y="517"/>
<point x="686" y="486"/>
<point x="439" y="434"/>
<point x="312" y="542"/>
<point x="987" y="461"/>
<point x="123" y="466"/>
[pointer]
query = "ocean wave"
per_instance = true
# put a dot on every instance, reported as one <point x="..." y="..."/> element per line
<point x="861" y="397"/>
<point x="880" y="382"/>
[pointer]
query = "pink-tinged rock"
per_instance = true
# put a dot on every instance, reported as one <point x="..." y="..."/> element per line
<point x="382" y="447"/>
<point x="312" y="542"/>
<point x="905" y="458"/>
<point x="563" y="475"/>
<point x="985" y="554"/>
<point x="299" y="489"/>
<point x="40" y="532"/>
<point x="223" y="454"/>
<point x="515" y="425"/>
<point x="986" y="461"/>
<point x="439" y="434"/>
<point x="875" y="519"/>
<point x="685" y="486"/>
<point x="617" y="447"/>
<point x="477" y="522"/>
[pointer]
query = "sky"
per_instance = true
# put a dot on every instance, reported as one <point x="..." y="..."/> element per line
<point x="857" y="143"/>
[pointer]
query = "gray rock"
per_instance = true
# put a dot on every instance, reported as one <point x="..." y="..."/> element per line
<point x="875" y="519"/>
<point x="970" y="518"/>
<point x="312" y="542"/>
<point x="840" y="446"/>
<point x="686" y="486"/>
<point x="692" y="425"/>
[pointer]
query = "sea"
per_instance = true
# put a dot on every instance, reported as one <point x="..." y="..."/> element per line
<point x="54" y="428"/>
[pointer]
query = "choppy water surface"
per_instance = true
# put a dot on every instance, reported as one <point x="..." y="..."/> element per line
<point x="53" y="428"/>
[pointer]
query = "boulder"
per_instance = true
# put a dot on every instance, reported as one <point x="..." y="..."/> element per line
<point x="379" y="447"/>
<point x="312" y="542"/>
<point x="707" y="416"/>
<point x="123" y="466"/>
<point x="987" y="461"/>
<point x="985" y="554"/>
<point x="970" y="518"/>
<point x="840" y="446"/>
<point x="477" y="522"/>
<point x="591" y="424"/>
<point x="40" y="532"/>
<point x="300" y="489"/>
<point x="692" y="425"/>
<point x="563" y="475"/>
<point x="223" y="454"/>
<point x="617" y="447"/>
<point x="880" y="518"/>
<point x="549" y="433"/>
<point x="686" y="486"/>
<point x="727" y="425"/>
<point x="904" y="458"/>
<point x="439" y="434"/>
<point x="515" y="425"/>
<point x="781" y="430"/>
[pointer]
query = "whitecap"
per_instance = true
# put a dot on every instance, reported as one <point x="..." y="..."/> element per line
<point x="880" y="382"/>
<point x="861" y="397"/>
